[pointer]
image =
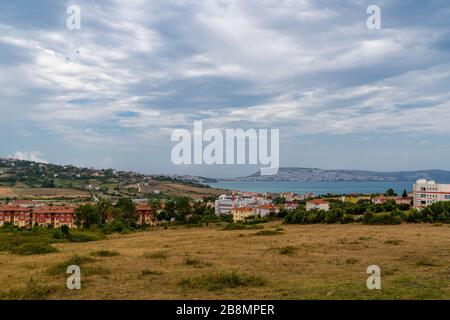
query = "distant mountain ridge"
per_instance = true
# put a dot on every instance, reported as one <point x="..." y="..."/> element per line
<point x="318" y="175"/>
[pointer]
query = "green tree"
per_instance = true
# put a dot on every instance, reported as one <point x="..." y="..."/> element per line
<point x="127" y="210"/>
<point x="86" y="216"/>
<point x="390" y="192"/>
<point x="405" y="194"/>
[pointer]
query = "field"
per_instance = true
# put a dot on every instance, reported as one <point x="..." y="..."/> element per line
<point x="277" y="262"/>
<point x="42" y="193"/>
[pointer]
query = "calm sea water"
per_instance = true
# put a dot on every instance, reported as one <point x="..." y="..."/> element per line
<point x="315" y="187"/>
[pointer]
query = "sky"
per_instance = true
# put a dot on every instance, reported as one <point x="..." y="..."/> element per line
<point x="111" y="93"/>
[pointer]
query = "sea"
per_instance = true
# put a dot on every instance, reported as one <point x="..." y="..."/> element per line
<point x="318" y="188"/>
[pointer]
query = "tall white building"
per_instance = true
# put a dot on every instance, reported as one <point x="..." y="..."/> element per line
<point x="224" y="204"/>
<point x="428" y="192"/>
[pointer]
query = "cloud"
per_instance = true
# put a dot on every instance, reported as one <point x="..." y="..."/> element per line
<point x="34" y="156"/>
<point x="139" y="69"/>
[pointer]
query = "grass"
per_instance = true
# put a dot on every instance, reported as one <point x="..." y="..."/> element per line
<point x="268" y="233"/>
<point x="351" y="260"/>
<point x="32" y="291"/>
<point x="148" y="272"/>
<point x="156" y="255"/>
<point x="240" y="226"/>
<point x="222" y="280"/>
<point x="394" y="242"/>
<point x="426" y="262"/>
<point x="105" y="253"/>
<point x="61" y="268"/>
<point x="288" y="250"/>
<point x="29" y="249"/>
<point x="315" y="269"/>
<point x="196" y="262"/>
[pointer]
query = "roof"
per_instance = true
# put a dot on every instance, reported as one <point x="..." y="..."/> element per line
<point x="54" y="209"/>
<point x="317" y="201"/>
<point x="143" y="206"/>
<point x="243" y="209"/>
<point x="267" y="206"/>
<point x="13" y="208"/>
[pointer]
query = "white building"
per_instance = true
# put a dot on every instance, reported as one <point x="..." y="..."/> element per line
<point x="223" y="205"/>
<point x="428" y="192"/>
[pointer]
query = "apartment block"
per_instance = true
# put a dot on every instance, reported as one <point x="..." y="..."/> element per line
<point x="426" y="192"/>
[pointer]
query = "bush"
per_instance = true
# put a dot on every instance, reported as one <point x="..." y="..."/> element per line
<point x="268" y="233"/>
<point x="34" y="248"/>
<point x="61" y="268"/>
<point x="222" y="280"/>
<point x="83" y="236"/>
<point x="105" y="253"/>
<point x="156" y="255"/>
<point x="288" y="250"/>
<point x="240" y="226"/>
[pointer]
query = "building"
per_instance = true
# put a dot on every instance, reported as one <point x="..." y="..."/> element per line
<point x="428" y="192"/>
<point x="223" y="205"/>
<point x="317" y="204"/>
<point x="379" y="200"/>
<point x="16" y="215"/>
<point x="401" y="200"/>
<point x="145" y="214"/>
<point x="55" y="216"/>
<point x="243" y="213"/>
<point x="290" y="205"/>
<point x="265" y="209"/>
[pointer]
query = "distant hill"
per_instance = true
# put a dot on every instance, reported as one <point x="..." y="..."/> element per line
<point x="63" y="179"/>
<point x="317" y="175"/>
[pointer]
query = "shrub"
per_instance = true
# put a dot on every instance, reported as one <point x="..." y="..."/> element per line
<point x="105" y="253"/>
<point x="156" y="255"/>
<point x="222" y="280"/>
<point x="32" y="291"/>
<point x="61" y="268"/>
<point x="426" y="262"/>
<point x="395" y="242"/>
<point x="83" y="236"/>
<point x="240" y="226"/>
<point x="196" y="262"/>
<point x="148" y="272"/>
<point x="267" y="233"/>
<point x="288" y="250"/>
<point x="33" y="248"/>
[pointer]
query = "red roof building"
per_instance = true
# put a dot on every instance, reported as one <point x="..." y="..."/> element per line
<point x="16" y="215"/>
<point x="56" y="216"/>
<point x="145" y="214"/>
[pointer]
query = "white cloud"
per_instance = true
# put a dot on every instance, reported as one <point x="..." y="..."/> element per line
<point x="34" y="156"/>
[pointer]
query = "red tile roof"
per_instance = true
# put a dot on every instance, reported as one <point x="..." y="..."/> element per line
<point x="54" y="209"/>
<point x="318" y="201"/>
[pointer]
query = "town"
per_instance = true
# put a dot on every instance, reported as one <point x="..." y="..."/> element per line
<point x="236" y="206"/>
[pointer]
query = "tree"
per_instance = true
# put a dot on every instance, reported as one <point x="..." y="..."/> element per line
<point x="390" y="192"/>
<point x="105" y="209"/>
<point x="405" y="194"/>
<point x="127" y="210"/>
<point x="86" y="216"/>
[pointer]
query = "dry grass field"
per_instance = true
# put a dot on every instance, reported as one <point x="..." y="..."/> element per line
<point x="295" y="262"/>
<point x="42" y="193"/>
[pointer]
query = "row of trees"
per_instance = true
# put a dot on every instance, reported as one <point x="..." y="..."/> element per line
<point x="368" y="213"/>
<point x="123" y="213"/>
